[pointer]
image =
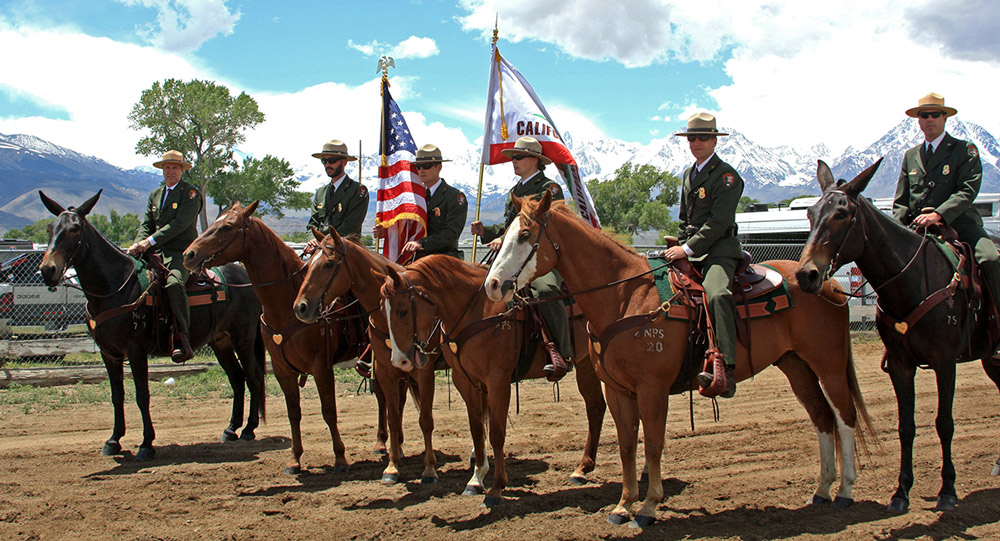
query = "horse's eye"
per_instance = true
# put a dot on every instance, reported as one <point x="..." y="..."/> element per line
<point x="403" y="312"/>
<point x="227" y="227"/>
<point x="523" y="235"/>
<point x="327" y="264"/>
<point x="840" y="214"/>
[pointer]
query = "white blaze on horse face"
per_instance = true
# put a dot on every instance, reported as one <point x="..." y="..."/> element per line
<point x="510" y="258"/>
<point x="399" y="359"/>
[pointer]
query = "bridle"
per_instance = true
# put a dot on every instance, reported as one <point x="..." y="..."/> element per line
<point x="544" y="226"/>
<point x="423" y="346"/>
<point x="70" y="262"/>
<point x="245" y="230"/>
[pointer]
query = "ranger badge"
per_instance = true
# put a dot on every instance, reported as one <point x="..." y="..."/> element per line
<point x="554" y="189"/>
<point x="340" y="207"/>
<point x="946" y="170"/>
<point x="437" y="211"/>
<point x="728" y="179"/>
<point x="174" y="206"/>
<point x="701" y="193"/>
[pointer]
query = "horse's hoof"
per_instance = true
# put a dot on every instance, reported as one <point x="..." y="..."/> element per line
<point x="145" y="453"/>
<point x="618" y="518"/>
<point x="111" y="448"/>
<point x="946" y="502"/>
<point x="490" y="502"/>
<point x="229" y="435"/>
<point x="641" y="521"/>
<point x="644" y="478"/>
<point x="293" y="470"/>
<point x="428" y="480"/>
<point x="472" y="490"/>
<point x="390" y="478"/>
<point x="341" y="469"/>
<point x="380" y="451"/>
<point x="842" y="503"/>
<point x="899" y="505"/>
<point x="577" y="480"/>
<point x="248" y="435"/>
<point x="819" y="500"/>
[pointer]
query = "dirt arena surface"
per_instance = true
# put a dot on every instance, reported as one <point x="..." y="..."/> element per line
<point x="745" y="477"/>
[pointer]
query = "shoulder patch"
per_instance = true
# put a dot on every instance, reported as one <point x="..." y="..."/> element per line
<point x="461" y="198"/>
<point x="362" y="190"/>
<point x="973" y="151"/>
<point x="728" y="179"/>
<point x="554" y="188"/>
<point x="192" y="194"/>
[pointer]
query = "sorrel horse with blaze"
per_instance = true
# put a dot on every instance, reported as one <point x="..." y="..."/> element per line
<point x="907" y="271"/>
<point x="296" y="349"/>
<point x="809" y="343"/>
<point x="125" y="329"/>
<point x="440" y="299"/>
<point x="340" y="266"/>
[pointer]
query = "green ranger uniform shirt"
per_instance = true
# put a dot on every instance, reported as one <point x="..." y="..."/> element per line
<point x="344" y="209"/>
<point x="172" y="224"/>
<point x="708" y="210"/>
<point x="536" y="185"/>
<point x="948" y="182"/>
<point x="447" y="210"/>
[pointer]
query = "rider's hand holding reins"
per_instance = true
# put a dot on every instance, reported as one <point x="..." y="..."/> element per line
<point x="926" y="219"/>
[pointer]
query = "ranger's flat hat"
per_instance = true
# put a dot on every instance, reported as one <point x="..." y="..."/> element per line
<point x="173" y="156"/>
<point x="931" y="102"/>
<point x="701" y="124"/>
<point x="334" y="149"/>
<point x="529" y="146"/>
<point x="429" y="154"/>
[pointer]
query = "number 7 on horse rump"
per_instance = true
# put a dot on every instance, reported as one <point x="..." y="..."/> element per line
<point x="819" y="365"/>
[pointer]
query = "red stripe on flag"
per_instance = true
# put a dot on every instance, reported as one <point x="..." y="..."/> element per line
<point x="395" y="169"/>
<point x="556" y="152"/>
<point x="404" y="187"/>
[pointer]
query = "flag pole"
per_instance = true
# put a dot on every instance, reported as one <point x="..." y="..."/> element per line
<point x="479" y="197"/>
<point x="479" y="193"/>
<point x="383" y="66"/>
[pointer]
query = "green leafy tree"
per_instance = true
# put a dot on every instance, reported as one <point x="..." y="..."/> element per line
<point x="626" y="203"/>
<point x="297" y="236"/>
<point x="198" y="118"/>
<point x="37" y="232"/>
<point x="271" y="180"/>
<point x="118" y="228"/>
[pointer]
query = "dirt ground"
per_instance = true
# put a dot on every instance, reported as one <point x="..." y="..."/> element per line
<point x="747" y="476"/>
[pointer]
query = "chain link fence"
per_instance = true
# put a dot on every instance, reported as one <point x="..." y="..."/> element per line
<point x="46" y="325"/>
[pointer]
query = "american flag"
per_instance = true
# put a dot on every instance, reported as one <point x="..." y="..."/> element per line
<point x="401" y="208"/>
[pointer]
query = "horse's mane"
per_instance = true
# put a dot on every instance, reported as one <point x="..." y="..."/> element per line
<point x="559" y="206"/>
<point x="442" y="271"/>
<point x="275" y="242"/>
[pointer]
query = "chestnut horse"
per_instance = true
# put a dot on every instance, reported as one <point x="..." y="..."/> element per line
<point x="296" y="349"/>
<point x="441" y="294"/>
<point x="905" y="269"/>
<point x="109" y="279"/>
<point x="341" y="266"/>
<point x="810" y="340"/>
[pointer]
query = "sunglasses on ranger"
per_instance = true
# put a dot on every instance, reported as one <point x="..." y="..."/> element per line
<point x="330" y="160"/>
<point x="930" y="114"/>
<point x="691" y="138"/>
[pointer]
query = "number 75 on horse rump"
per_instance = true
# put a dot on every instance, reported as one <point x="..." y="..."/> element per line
<point x="809" y="343"/>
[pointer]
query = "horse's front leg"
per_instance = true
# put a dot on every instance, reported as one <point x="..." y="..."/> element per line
<point x="382" y="430"/>
<point x="425" y="390"/>
<point x="116" y="377"/>
<point x="902" y="383"/>
<point x="326" y="385"/>
<point x="140" y="377"/>
<point x="993" y="371"/>
<point x="475" y="406"/>
<point x="625" y="412"/>
<point x="290" y="388"/>
<point x="945" y="423"/>
<point x="237" y="381"/>
<point x="498" y="398"/>
<point x="393" y="389"/>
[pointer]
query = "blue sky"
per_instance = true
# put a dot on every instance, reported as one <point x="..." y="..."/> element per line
<point x="784" y="73"/>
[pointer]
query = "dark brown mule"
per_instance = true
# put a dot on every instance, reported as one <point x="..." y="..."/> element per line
<point x="906" y="270"/>
<point x="296" y="349"/>
<point x="338" y="267"/>
<point x="810" y="340"/>
<point x="441" y="294"/>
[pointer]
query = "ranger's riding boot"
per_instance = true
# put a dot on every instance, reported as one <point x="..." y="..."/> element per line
<point x="182" y="315"/>
<point x="182" y="349"/>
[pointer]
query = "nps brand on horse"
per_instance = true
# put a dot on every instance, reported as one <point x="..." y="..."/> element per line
<point x="125" y="326"/>
<point x="809" y="343"/>
<point x="439" y="299"/>
<point x="340" y="267"/>
<point x="296" y="349"/>
<point x="926" y="318"/>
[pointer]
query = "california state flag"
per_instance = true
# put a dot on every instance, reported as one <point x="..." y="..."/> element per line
<point x="513" y="110"/>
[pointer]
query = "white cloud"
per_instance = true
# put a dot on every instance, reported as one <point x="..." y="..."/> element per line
<point x="411" y="47"/>
<point x="183" y="25"/>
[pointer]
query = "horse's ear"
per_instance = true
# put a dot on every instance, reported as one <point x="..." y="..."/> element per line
<point x="544" y="204"/>
<point x="247" y="212"/>
<point x="55" y="208"/>
<point x="860" y="182"/>
<point x="824" y="175"/>
<point x="316" y="233"/>
<point x="337" y="239"/>
<point x="516" y="201"/>
<point x="88" y="205"/>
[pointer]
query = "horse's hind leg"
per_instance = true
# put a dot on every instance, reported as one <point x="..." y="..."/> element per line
<point x="652" y="402"/>
<point x="993" y="371"/>
<point x="237" y="380"/>
<point x="902" y="383"/>
<point x="116" y="376"/>
<point x="590" y="388"/>
<point x="945" y="423"/>
<point x="140" y="376"/>
<point x="253" y="367"/>
<point x="807" y="390"/>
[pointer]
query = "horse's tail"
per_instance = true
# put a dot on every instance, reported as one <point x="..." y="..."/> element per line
<point x="865" y="435"/>
<point x="260" y="363"/>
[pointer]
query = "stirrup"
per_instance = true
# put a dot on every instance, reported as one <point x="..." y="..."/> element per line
<point x="556" y="368"/>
